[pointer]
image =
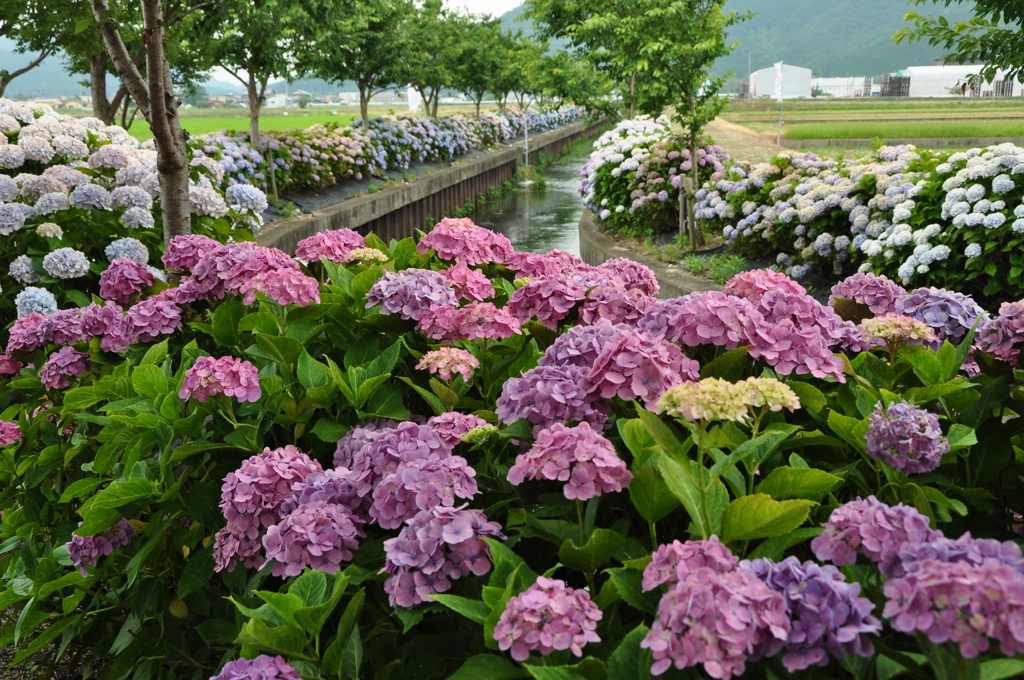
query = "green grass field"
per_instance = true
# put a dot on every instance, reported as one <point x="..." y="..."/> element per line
<point x="899" y="130"/>
<point x="239" y="120"/>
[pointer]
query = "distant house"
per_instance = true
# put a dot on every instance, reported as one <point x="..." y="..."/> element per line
<point x="276" y="101"/>
<point x="852" y="86"/>
<point x="796" y="82"/>
<point x="950" y="80"/>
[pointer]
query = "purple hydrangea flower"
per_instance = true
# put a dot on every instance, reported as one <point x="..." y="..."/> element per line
<point x="183" y="252"/>
<point x="263" y="667"/>
<point x="123" y="279"/>
<point x="283" y="286"/>
<point x="907" y="438"/>
<point x="546" y="617"/>
<point x="752" y="285"/>
<point x="580" y="345"/>
<point x="395" y="446"/>
<point x="469" y="284"/>
<point x="1002" y="335"/>
<point x="422" y="484"/>
<point x="318" y="534"/>
<point x="9" y="433"/>
<point x="477" y="320"/>
<point x="410" y="293"/>
<point x="231" y="376"/>
<point x="334" y="245"/>
<point x="149" y="319"/>
<point x="64" y="364"/>
<point x="879" y="293"/>
<point x="950" y="314"/>
<point x="547" y="395"/>
<point x="452" y="425"/>
<point x="674" y="561"/>
<point x="637" y="365"/>
<point x="85" y="551"/>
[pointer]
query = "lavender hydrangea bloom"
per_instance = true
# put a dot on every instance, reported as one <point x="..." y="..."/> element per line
<point x="435" y="546"/>
<point x="10" y="433"/>
<point x="637" y="365"/>
<point x="90" y="197"/>
<point x="149" y="319"/>
<point x="548" y="394"/>
<point x="33" y="299"/>
<point x="422" y="484"/>
<point x="395" y="446"/>
<point x="11" y="218"/>
<point x="410" y="293"/>
<point x="138" y="218"/>
<point x="64" y="364"/>
<point x="51" y="203"/>
<point x="64" y="327"/>
<point x="547" y="616"/>
<point x="124" y="278"/>
<point x="131" y="248"/>
<point x="828" y="616"/>
<point x="452" y="425"/>
<point x="1002" y="335"/>
<point x="247" y="197"/>
<point x="85" y="551"/>
<point x="66" y="263"/>
<point x="906" y="437"/>
<point x="335" y="245"/>
<point x="318" y="534"/>
<point x="673" y="562"/>
<point x="579" y="346"/>
<point x="950" y="314"/>
<point x="22" y="271"/>
<point x="263" y="667"/>
<point x="131" y="197"/>
<point x="879" y="293"/>
<point x="230" y="376"/>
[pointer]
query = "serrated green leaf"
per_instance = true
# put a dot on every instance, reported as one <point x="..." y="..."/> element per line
<point x="786" y="482"/>
<point x="650" y="495"/>
<point x="474" y="610"/>
<point x="629" y="661"/>
<point x="600" y="547"/>
<point x="761" y="516"/>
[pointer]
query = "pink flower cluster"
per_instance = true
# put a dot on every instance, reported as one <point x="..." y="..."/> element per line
<point x="183" y="252"/>
<point x="546" y="617"/>
<point x="10" y="433"/>
<point x="452" y="425"/>
<point x="316" y="534"/>
<point x="263" y="667"/>
<point x="459" y="239"/>
<point x="1002" y="336"/>
<point x="283" y="286"/>
<point x="123" y="279"/>
<point x="635" y="365"/>
<point x="879" y="293"/>
<point x="421" y="485"/>
<point x="448" y="362"/>
<point x="85" y="551"/>
<point x="64" y="364"/>
<point x="578" y="456"/>
<point x="673" y="562"/>
<point x="534" y="265"/>
<point x="614" y="303"/>
<point x="435" y="547"/>
<point x="384" y="450"/>
<point x="230" y="376"/>
<point x="475" y="321"/>
<point x="149" y="319"/>
<point x="550" y="299"/>
<point x="410" y="293"/>
<point x="753" y="285"/>
<point x="227" y="268"/>
<point x="632" y="274"/>
<point x="547" y="395"/>
<point x="469" y="284"/>
<point x="8" y="364"/>
<point x="334" y="245"/>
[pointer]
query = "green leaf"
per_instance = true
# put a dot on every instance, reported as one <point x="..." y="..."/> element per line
<point x="629" y="661"/>
<point x="155" y="355"/>
<point x="760" y="516"/>
<point x="444" y="393"/>
<point x="197" y="573"/>
<point x="926" y="364"/>
<point x="938" y="498"/>
<point x="123" y="491"/>
<point x="80" y="488"/>
<point x="310" y="372"/>
<point x="992" y="394"/>
<point x="552" y="673"/>
<point x="96" y="520"/>
<point x="600" y="548"/>
<point x="329" y="431"/>
<point x="286" y="640"/>
<point x="629" y="584"/>
<point x="999" y="669"/>
<point x="663" y="435"/>
<point x="353" y="659"/>
<point x="311" y="587"/>
<point x="637" y="439"/>
<point x="474" y="610"/>
<point x="428" y="396"/>
<point x="500" y="603"/>
<point x="81" y="398"/>
<point x="285" y="604"/>
<point x="850" y="430"/>
<point x="263" y="322"/>
<point x="149" y="381"/>
<point x="787" y="482"/>
<point x="225" y="326"/>
<point x="961" y="436"/>
<point x="731" y="366"/>
<point x="488" y="667"/>
<point x="775" y="548"/>
<point x="385" y="361"/>
<point x="761" y="448"/>
<point x="284" y="349"/>
<point x="811" y="398"/>
<point x="363" y="351"/>
<point x="650" y="495"/>
<point x="312" y="618"/>
<point x="681" y="483"/>
<point x="923" y="395"/>
<point x="218" y="631"/>
<point x="386" y="402"/>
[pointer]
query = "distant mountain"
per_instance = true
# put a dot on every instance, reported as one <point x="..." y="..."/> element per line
<point x="47" y="79"/>
<point x="831" y="37"/>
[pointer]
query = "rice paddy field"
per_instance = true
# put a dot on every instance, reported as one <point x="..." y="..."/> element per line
<point x="882" y="118"/>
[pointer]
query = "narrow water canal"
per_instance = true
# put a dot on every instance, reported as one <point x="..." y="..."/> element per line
<point x="539" y="220"/>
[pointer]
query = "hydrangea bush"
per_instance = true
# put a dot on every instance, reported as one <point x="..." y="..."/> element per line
<point x="230" y="478"/>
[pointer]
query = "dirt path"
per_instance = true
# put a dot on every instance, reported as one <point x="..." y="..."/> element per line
<point x="742" y="143"/>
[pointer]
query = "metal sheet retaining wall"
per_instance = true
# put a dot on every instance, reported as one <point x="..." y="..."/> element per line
<point x="397" y="212"/>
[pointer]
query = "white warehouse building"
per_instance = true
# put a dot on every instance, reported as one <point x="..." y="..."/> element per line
<point x="940" y="81"/>
<point x="796" y="82"/>
<point x="852" y="86"/>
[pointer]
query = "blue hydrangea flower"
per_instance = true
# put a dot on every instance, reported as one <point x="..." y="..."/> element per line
<point x="131" y="248"/>
<point x="33" y="299"/>
<point x="973" y="250"/>
<point x="66" y="263"/>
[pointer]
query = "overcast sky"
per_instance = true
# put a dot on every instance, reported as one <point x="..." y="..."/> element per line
<point x="492" y="7"/>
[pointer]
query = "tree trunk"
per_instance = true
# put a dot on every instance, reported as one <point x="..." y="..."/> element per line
<point x="364" y="105"/>
<point x="480" y="99"/>
<point x="254" y="111"/>
<point x="632" y="93"/>
<point x="98" y="85"/>
<point x="7" y="76"/>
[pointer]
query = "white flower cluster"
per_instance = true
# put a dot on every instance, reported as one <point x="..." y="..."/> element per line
<point x="620" y="150"/>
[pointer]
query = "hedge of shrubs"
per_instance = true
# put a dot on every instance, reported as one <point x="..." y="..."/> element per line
<point x="447" y="459"/>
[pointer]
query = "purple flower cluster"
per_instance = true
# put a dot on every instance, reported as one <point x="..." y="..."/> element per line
<point x="632" y="274"/>
<point x="150" y="319"/>
<point x="410" y="293"/>
<point x="382" y="452"/>
<point x="475" y="321"/>
<point x="448" y="362"/>
<point x="547" y="395"/>
<point x="10" y="433"/>
<point x="230" y="376"/>
<point x="123" y="279"/>
<point x="614" y="303"/>
<point x="333" y="245"/>
<point x="950" y="314"/>
<point x="1002" y="335"/>
<point x="876" y="530"/>
<point x="263" y="667"/>
<point x="907" y="438"/>
<point x="435" y="547"/>
<point x="459" y="239"/>
<point x="283" y="286"/>
<point x="64" y="364"/>
<point x="752" y="285"/>
<point x="550" y="299"/>
<point x="535" y="265"/>
<point x="578" y="456"/>
<point x="827" y="614"/>
<point x="469" y="284"/>
<point x="673" y="562"/>
<point x="251" y="497"/>
<point x="579" y="346"/>
<point x="9" y="365"/>
<point x="637" y="365"/>
<point x="545" y="617"/>
<point x="183" y="252"/>
<point x="421" y="485"/>
<point x="316" y="534"/>
<point x="85" y="551"/>
<point x="879" y="293"/>
<point x="452" y="425"/>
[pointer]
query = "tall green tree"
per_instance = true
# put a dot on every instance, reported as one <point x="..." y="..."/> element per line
<point x="365" y="46"/>
<point x="480" y="59"/>
<point x="562" y="78"/>
<point x="432" y="37"/>
<point x="993" y="37"/>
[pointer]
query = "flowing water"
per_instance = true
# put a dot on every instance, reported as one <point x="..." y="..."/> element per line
<point x="539" y="220"/>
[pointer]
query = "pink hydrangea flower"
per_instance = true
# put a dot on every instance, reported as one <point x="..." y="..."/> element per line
<point x="674" y="561"/>
<point x="754" y="284"/>
<point x="578" y="456"/>
<point x="1002" y="336"/>
<point x="633" y="275"/>
<point x="230" y="376"/>
<point x="635" y="365"/>
<point x="422" y="484"/>
<point x="85" y="551"/>
<point x="410" y="293"/>
<point x="475" y="321"/>
<point x="532" y="265"/>
<point x="64" y="364"/>
<point x="334" y="245"/>
<point x="283" y="286"/>
<point x="448" y="362"/>
<point x="183" y="252"/>
<point x="263" y="667"/>
<point x="547" y="395"/>
<point x="548" y="299"/>
<point x="452" y="425"/>
<point x="879" y="293"/>
<point x="545" y="617"/>
<point x="393" y="447"/>
<point x="123" y="279"/>
<point x="150" y="319"/>
<point x="614" y="303"/>
<point x="469" y="284"/>
<point x="9" y="433"/>
<point x="28" y="333"/>
<point x="460" y="239"/>
<point x="9" y="365"/>
<point x="64" y="327"/>
<point x="318" y="534"/>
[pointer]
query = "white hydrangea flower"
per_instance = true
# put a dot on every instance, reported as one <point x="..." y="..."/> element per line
<point x="973" y="250"/>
